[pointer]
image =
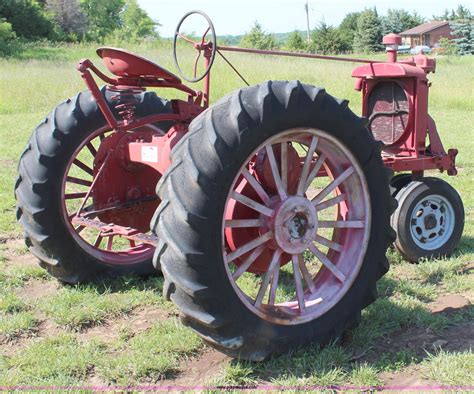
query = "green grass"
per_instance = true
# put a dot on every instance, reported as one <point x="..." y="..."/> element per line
<point x="150" y="356"/>
<point x="15" y="316"/>
<point x="53" y="361"/>
<point x="78" y="307"/>
<point x="451" y="368"/>
<point x="15" y="324"/>
<point x="34" y="84"/>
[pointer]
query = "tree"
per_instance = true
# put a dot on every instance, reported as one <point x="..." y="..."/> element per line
<point x="368" y="37"/>
<point x="296" y="42"/>
<point x="7" y="38"/>
<point x="447" y="47"/>
<point x="103" y="17"/>
<point x="27" y="19"/>
<point x="397" y="21"/>
<point x="69" y="16"/>
<point x="464" y="33"/>
<point x="257" y="38"/>
<point x="136" y="24"/>
<point x="326" y="39"/>
<point x="348" y="28"/>
<point x="461" y="13"/>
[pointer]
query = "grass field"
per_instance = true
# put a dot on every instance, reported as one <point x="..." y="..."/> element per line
<point x="122" y="332"/>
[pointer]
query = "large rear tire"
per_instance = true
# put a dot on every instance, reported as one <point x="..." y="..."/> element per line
<point x="43" y="169"/>
<point x="202" y="190"/>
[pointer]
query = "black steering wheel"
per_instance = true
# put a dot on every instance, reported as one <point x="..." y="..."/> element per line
<point x="209" y="47"/>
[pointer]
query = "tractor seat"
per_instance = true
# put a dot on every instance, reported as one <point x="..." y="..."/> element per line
<point x="129" y="65"/>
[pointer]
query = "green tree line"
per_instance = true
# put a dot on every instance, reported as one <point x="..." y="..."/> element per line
<point x="73" y="21"/>
<point x="362" y="32"/>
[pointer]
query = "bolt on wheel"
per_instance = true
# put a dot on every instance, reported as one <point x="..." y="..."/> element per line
<point x="432" y="222"/>
<point x="296" y="227"/>
<point x="429" y="219"/>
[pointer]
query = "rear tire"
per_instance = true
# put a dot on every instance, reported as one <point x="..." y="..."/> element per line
<point x="429" y="220"/>
<point x="42" y="167"/>
<point x="194" y="192"/>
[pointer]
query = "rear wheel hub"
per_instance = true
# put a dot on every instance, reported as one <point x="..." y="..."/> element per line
<point x="295" y="224"/>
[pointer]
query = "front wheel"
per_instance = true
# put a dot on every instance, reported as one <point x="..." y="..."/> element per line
<point x="275" y="220"/>
<point x="429" y="220"/>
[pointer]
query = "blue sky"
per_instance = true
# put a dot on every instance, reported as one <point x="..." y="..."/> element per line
<point x="278" y="16"/>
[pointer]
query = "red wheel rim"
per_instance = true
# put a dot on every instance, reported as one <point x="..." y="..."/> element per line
<point x="316" y="229"/>
<point x="78" y="178"/>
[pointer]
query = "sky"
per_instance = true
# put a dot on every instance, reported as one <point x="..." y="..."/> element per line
<point x="278" y="16"/>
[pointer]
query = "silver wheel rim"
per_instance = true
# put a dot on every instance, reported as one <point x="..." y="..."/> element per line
<point x="317" y="292"/>
<point x="432" y="222"/>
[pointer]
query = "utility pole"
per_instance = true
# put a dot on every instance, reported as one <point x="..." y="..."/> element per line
<point x="306" y="7"/>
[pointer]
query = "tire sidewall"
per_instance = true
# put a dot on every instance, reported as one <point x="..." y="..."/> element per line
<point x="329" y="325"/>
<point x="408" y="198"/>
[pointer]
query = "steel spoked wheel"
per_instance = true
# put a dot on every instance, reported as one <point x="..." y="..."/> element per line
<point x="306" y="233"/>
<point x="85" y="208"/>
<point x="274" y="220"/>
<point x="429" y="220"/>
<point x="88" y="201"/>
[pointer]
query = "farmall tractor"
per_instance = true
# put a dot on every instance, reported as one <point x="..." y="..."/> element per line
<point x="269" y="213"/>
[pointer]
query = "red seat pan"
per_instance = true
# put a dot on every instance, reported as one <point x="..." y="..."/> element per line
<point x="126" y="64"/>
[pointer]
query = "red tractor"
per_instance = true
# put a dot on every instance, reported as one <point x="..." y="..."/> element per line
<point x="269" y="213"/>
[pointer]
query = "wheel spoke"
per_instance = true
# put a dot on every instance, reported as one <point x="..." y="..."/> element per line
<point x="330" y="202"/>
<point x="78" y="181"/>
<point x="307" y="162"/>
<point x="98" y="240"/>
<point x="341" y="224"/>
<point x="110" y="242"/>
<point x="315" y="170"/>
<point x="74" y="196"/>
<point x="91" y="148"/>
<point x="273" y="286"/>
<point x="185" y="38"/>
<point x="266" y="279"/>
<point x="330" y="244"/>
<point x="256" y="185"/>
<point x="248" y="262"/>
<point x="335" y="183"/>
<point x="284" y="165"/>
<point x="298" y="259"/>
<point x="252" y="203"/>
<point x="248" y="247"/>
<point x="276" y="176"/>
<point x="298" y="285"/>
<point x="196" y="63"/>
<point x="241" y="223"/>
<point x="79" y="229"/>
<point x="327" y="263"/>
<point x="204" y="35"/>
<point x="83" y="167"/>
